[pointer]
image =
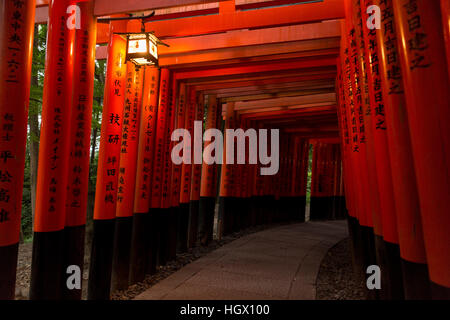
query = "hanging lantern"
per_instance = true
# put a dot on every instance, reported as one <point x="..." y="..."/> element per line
<point x="142" y="49"/>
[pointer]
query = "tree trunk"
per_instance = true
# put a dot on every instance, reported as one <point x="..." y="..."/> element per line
<point x="91" y="194"/>
<point x="33" y="121"/>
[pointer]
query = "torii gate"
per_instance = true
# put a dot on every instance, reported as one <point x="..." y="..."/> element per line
<point x="313" y="70"/>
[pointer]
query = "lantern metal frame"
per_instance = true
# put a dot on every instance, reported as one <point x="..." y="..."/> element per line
<point x="150" y="56"/>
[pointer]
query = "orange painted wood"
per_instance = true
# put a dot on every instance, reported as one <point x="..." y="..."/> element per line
<point x="146" y="148"/>
<point x="51" y="192"/>
<point x="197" y="168"/>
<point x="403" y="175"/>
<point x="161" y="127"/>
<point x="77" y="197"/>
<point x="130" y="141"/>
<point x="186" y="173"/>
<point x="367" y="128"/>
<point x="166" y="201"/>
<point x="226" y="177"/>
<point x="15" y="74"/>
<point x="426" y="83"/>
<point x="208" y="179"/>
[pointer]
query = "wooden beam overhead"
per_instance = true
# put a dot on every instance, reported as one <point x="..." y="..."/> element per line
<point x="329" y="98"/>
<point x="282" y="66"/>
<point x="241" y="38"/>
<point x="235" y="20"/>
<point x="303" y="77"/>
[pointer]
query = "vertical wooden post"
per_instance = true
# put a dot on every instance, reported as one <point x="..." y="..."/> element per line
<point x="184" y="196"/>
<point x="51" y="192"/>
<point x="78" y="180"/>
<point x="226" y="177"/>
<point x="385" y="223"/>
<point x="127" y="177"/>
<point x="140" y="253"/>
<point x="353" y="101"/>
<point x="403" y="175"/>
<point x="16" y="52"/>
<point x="445" y="13"/>
<point x="196" y="179"/>
<point x="426" y="83"/>
<point x="155" y="206"/>
<point x="107" y="171"/>
<point x="208" y="181"/>
<point x="169" y="215"/>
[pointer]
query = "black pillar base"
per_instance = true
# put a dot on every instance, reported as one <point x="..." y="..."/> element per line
<point x="268" y="209"/>
<point x="163" y="235"/>
<point x="246" y="210"/>
<point x="237" y="213"/>
<point x="439" y="292"/>
<point x="301" y="200"/>
<point x="416" y="281"/>
<point x="100" y="267"/>
<point x="388" y="259"/>
<point x="228" y="214"/>
<point x="284" y="214"/>
<point x="369" y="256"/>
<point x="46" y="266"/>
<point x="314" y="208"/>
<point x="321" y="208"/>
<point x="340" y="208"/>
<point x="139" y="247"/>
<point x="152" y="242"/>
<point x="8" y="268"/>
<point x="121" y="256"/>
<point x="254" y="210"/>
<point x="183" y="226"/>
<point x="193" y="223"/>
<point x="172" y="239"/>
<point x="73" y="255"/>
<point x="356" y="240"/>
<point x="206" y="220"/>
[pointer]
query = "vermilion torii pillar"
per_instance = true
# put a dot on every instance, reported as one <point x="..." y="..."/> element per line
<point x="427" y="90"/>
<point x="108" y="171"/>
<point x="141" y="261"/>
<point x="78" y="180"/>
<point x="349" y="163"/>
<point x="226" y="199"/>
<point x="51" y="191"/>
<point x="407" y="207"/>
<point x="445" y="13"/>
<point x="208" y="189"/>
<point x="185" y="120"/>
<point x="196" y="178"/>
<point x="353" y="105"/>
<point x="168" y="225"/>
<point x="386" y="237"/>
<point x="127" y="177"/>
<point x="16" y="48"/>
<point x="158" y="163"/>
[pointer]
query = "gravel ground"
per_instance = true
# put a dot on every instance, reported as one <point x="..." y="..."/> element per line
<point x="336" y="280"/>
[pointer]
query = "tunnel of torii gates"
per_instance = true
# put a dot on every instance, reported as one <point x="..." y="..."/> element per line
<point x="373" y="103"/>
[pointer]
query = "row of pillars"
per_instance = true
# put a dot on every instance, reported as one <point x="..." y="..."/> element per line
<point x="393" y="91"/>
<point x="147" y="208"/>
<point x="327" y="185"/>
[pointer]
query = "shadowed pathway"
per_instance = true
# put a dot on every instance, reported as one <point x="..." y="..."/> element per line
<point x="278" y="263"/>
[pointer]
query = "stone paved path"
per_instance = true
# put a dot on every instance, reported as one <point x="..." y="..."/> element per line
<point x="278" y="263"/>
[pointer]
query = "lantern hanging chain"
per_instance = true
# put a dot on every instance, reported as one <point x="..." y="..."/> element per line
<point x="130" y="17"/>
<point x="143" y="21"/>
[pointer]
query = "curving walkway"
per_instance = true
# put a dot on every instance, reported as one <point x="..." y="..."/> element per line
<point x="278" y="263"/>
